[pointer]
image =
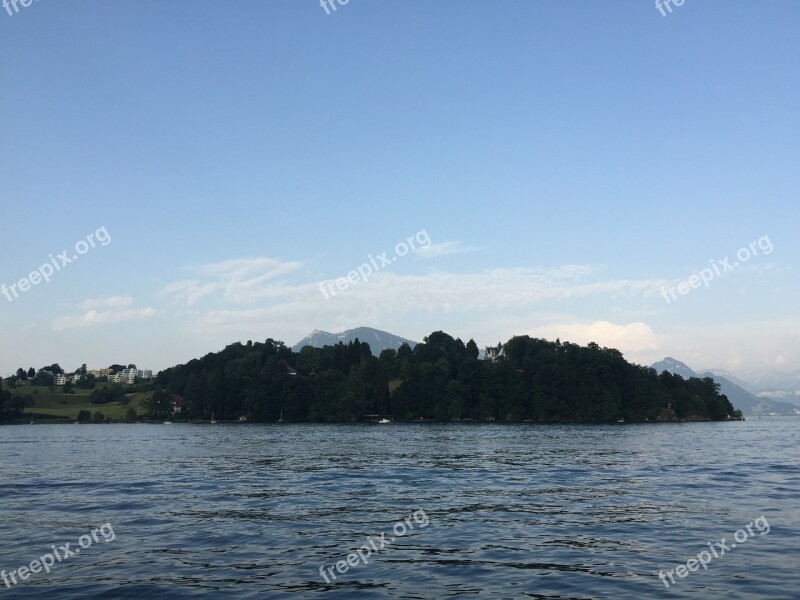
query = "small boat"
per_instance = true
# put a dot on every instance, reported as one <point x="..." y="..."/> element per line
<point x="621" y="420"/>
<point x="281" y="419"/>
<point x="384" y="421"/>
<point x="213" y="421"/>
<point x="167" y="422"/>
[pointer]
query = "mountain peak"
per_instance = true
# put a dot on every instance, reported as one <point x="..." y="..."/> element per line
<point x="378" y="340"/>
<point x="674" y="366"/>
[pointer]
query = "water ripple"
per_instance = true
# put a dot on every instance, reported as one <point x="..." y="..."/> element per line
<point x="522" y="511"/>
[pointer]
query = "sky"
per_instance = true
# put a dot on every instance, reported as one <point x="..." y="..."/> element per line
<point x="178" y="176"/>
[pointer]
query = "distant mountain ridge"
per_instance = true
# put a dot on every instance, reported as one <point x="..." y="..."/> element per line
<point x="378" y="340"/>
<point x="745" y="401"/>
<point x="767" y="383"/>
<point x="731" y="377"/>
<point x="766" y="378"/>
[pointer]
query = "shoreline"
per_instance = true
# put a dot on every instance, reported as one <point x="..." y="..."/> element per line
<point x="418" y="422"/>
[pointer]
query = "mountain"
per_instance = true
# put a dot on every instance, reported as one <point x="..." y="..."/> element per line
<point x="675" y="367"/>
<point x="783" y="386"/>
<point x="731" y="377"/>
<point x="745" y="401"/>
<point x="792" y="396"/>
<point x="378" y="340"/>
<point x="766" y="382"/>
<point x="771" y="379"/>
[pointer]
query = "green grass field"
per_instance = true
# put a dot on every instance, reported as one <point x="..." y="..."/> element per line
<point x="42" y="390"/>
<point x="69" y="405"/>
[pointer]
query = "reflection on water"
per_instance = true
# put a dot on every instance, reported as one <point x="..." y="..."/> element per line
<point x="515" y="511"/>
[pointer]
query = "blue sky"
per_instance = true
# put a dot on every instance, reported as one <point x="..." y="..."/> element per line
<point x="565" y="159"/>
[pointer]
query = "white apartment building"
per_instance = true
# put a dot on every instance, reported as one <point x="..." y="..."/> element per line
<point x="129" y="376"/>
<point x="140" y="373"/>
<point x="62" y="379"/>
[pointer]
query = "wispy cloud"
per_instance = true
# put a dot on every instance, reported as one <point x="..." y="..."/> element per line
<point x="111" y="302"/>
<point x="189" y="291"/>
<point x="387" y="293"/>
<point x="118" y="310"/>
<point x="239" y="280"/>
<point x="445" y="249"/>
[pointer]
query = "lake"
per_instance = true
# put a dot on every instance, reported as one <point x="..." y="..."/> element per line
<point x="436" y="511"/>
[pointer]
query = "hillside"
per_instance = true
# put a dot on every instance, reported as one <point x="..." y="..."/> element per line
<point x="32" y="402"/>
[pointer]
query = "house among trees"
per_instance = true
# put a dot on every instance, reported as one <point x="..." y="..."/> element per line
<point x="492" y="353"/>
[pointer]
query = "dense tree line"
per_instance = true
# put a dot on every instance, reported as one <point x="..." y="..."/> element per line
<point x="158" y="406"/>
<point x="441" y="379"/>
<point x="11" y="406"/>
<point x="108" y="394"/>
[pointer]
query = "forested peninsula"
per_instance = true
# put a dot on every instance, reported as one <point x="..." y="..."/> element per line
<point x="442" y="379"/>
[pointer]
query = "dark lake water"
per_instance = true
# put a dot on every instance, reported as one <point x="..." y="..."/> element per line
<point x="494" y="511"/>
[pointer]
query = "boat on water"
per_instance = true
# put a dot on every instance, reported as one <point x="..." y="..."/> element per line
<point x="167" y="422"/>
<point x="621" y="420"/>
<point x="213" y="420"/>
<point x="384" y="421"/>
